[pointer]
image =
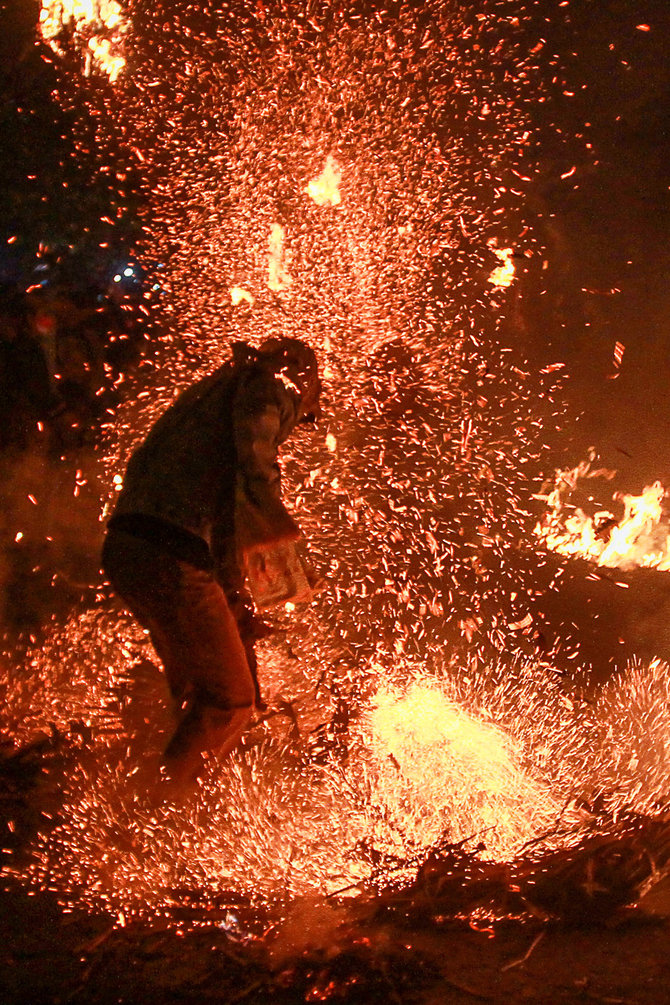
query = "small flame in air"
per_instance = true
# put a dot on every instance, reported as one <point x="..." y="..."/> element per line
<point x="503" y="274"/>
<point x="639" y="538"/>
<point x="325" y="190"/>
<point x="278" y="275"/>
<point x="239" y="295"/>
<point x="102" y="54"/>
<point x="87" y="16"/>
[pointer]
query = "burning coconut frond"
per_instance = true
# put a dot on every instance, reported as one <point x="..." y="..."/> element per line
<point x="584" y="884"/>
<point x="640" y="537"/>
<point x="98" y="27"/>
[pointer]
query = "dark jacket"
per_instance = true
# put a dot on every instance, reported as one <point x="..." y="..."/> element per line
<point x="208" y="468"/>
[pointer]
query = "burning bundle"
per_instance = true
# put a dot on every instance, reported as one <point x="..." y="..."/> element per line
<point x="640" y="537"/>
<point x="581" y="885"/>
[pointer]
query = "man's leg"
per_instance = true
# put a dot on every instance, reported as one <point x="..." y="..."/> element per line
<point x="205" y="639"/>
<point x="204" y="730"/>
<point x="251" y="629"/>
<point x="196" y="637"/>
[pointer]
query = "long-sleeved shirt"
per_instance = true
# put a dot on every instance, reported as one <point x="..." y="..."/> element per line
<point x="209" y="465"/>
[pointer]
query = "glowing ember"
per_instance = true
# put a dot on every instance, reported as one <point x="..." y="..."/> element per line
<point x="278" y="276"/>
<point x="503" y="274"/>
<point x="87" y="18"/>
<point x="638" y="538"/>
<point x="325" y="190"/>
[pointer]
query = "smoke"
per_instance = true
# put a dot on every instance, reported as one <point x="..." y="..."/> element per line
<point x="311" y="923"/>
<point x="50" y="534"/>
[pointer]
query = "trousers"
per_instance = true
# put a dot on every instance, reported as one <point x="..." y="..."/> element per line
<point x="190" y="620"/>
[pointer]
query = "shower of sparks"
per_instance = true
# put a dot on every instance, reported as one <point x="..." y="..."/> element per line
<point x="325" y="190"/>
<point x="87" y="18"/>
<point x="413" y="503"/>
<point x="502" y="757"/>
<point x="278" y="276"/>
<point x="639" y="537"/>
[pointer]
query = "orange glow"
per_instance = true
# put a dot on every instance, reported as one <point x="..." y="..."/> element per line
<point x="325" y="190"/>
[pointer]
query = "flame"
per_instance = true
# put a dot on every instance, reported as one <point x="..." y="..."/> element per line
<point x="278" y="276"/>
<point x="239" y="295"/>
<point x="86" y="16"/>
<point x="325" y="190"/>
<point x="101" y="49"/>
<point x="639" y="538"/>
<point x="502" y="275"/>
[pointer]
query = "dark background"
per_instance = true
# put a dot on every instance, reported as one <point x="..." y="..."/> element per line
<point x="606" y="229"/>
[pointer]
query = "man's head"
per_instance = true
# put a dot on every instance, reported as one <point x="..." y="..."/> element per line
<point x="296" y="363"/>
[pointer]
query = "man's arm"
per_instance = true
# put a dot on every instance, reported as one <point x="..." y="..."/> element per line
<point x="263" y="411"/>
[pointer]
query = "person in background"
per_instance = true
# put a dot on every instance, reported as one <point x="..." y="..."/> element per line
<point x="201" y="498"/>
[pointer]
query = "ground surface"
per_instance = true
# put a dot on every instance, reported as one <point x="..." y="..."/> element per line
<point x="49" y="957"/>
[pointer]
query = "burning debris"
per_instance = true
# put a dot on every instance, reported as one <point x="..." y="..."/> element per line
<point x="640" y="537"/>
<point x="586" y="884"/>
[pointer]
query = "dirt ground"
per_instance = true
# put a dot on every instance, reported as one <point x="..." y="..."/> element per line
<point x="48" y="956"/>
